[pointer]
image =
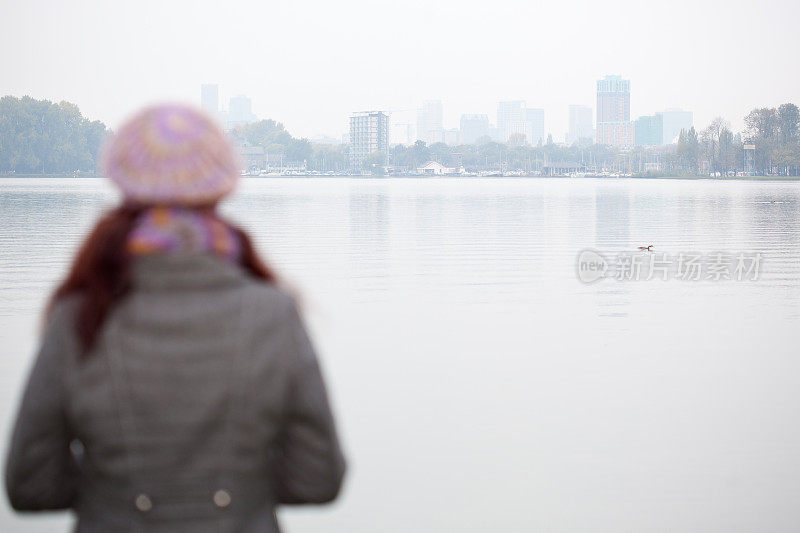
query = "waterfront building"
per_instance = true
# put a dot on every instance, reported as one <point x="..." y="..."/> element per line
<point x="649" y="130"/>
<point x="473" y="127"/>
<point x="614" y="126"/>
<point x="429" y="122"/>
<point x="674" y="121"/>
<point x="434" y="168"/>
<point x="369" y="133"/>
<point x="580" y="123"/>
<point x="251" y="157"/>
<point x="240" y="111"/>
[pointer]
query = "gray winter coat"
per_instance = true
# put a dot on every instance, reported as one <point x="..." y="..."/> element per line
<point x="201" y="408"/>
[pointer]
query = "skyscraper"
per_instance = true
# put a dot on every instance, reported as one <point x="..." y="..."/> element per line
<point x="369" y="133"/>
<point x="429" y="122"/>
<point x="614" y="125"/>
<point x="511" y="119"/>
<point x="473" y="127"/>
<point x="514" y="118"/>
<point x="649" y="130"/>
<point x="240" y="111"/>
<point x="535" y="118"/>
<point x="580" y="123"/>
<point x="209" y="99"/>
<point x="676" y="120"/>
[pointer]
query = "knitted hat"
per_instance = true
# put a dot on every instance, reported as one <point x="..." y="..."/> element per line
<point x="171" y="154"/>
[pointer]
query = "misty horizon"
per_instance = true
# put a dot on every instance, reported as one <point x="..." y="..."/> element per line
<point x="309" y="69"/>
<point x="411" y="125"/>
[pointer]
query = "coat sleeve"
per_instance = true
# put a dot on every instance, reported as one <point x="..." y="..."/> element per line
<point x="41" y="473"/>
<point x="310" y="465"/>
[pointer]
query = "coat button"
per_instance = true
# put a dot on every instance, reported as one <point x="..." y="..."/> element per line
<point x="143" y="503"/>
<point x="222" y="498"/>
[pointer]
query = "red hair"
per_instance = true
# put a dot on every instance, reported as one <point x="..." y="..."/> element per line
<point x="101" y="271"/>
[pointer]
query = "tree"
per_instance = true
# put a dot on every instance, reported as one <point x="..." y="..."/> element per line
<point x="762" y="123"/>
<point x="326" y="157"/>
<point x="788" y="124"/>
<point x="787" y="151"/>
<point x="517" y="139"/>
<point x="788" y="159"/>
<point x="40" y="136"/>
<point x="762" y="131"/>
<point x="727" y="151"/>
<point x="298" y="150"/>
<point x="441" y="153"/>
<point x="375" y="163"/>
<point x="711" y="139"/>
<point x="689" y="149"/>
<point x="411" y="157"/>
<point x="263" y="133"/>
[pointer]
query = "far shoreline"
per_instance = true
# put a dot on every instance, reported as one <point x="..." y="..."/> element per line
<point x="439" y="177"/>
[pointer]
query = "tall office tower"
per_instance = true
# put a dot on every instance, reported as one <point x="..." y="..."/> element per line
<point x="676" y="120"/>
<point x="580" y="123"/>
<point x="535" y="118"/>
<point x="369" y="133"/>
<point x="614" y="126"/>
<point x="473" y="127"/>
<point x="511" y="119"/>
<point x="240" y="111"/>
<point x="429" y="122"/>
<point x="209" y="99"/>
<point x="649" y="130"/>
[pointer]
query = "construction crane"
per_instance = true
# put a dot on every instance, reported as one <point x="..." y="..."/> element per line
<point x="408" y="125"/>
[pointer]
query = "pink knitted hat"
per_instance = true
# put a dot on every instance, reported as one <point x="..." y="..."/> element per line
<point x="171" y="154"/>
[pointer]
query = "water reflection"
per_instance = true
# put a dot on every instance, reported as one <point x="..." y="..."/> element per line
<point x="370" y="242"/>
<point x="612" y="236"/>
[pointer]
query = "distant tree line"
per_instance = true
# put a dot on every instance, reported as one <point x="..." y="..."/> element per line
<point x="770" y="145"/>
<point x="486" y="154"/>
<point x="277" y="142"/>
<point x="39" y="136"/>
<point x="776" y="136"/>
<point x="42" y="137"/>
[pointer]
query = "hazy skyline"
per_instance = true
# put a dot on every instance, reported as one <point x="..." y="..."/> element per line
<point x="311" y="65"/>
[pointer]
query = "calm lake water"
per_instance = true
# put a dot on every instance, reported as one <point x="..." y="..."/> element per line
<point x="480" y="386"/>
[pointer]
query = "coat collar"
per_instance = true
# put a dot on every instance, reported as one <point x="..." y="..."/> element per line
<point x="170" y="271"/>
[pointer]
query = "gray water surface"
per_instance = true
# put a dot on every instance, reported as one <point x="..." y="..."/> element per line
<point x="479" y="385"/>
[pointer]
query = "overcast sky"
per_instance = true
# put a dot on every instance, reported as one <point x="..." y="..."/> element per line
<point x="309" y="64"/>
